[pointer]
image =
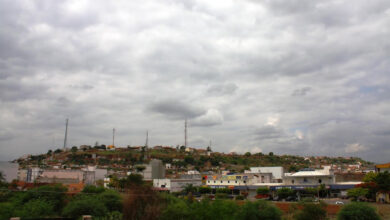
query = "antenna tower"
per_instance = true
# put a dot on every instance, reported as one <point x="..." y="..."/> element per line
<point x="66" y="132"/>
<point x="185" y="133"/>
<point x="147" y="138"/>
<point x="113" y="137"/>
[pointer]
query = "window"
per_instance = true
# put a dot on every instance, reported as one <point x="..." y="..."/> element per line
<point x="244" y="181"/>
<point x="221" y="181"/>
<point x="236" y="181"/>
<point x="305" y="180"/>
<point x="215" y="181"/>
<point x="320" y="181"/>
<point x="208" y="181"/>
<point x="228" y="181"/>
<point x="292" y="181"/>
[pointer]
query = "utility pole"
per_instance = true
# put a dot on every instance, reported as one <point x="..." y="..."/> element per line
<point x="185" y="133"/>
<point x="66" y="133"/>
<point x="147" y="138"/>
<point x="113" y="137"/>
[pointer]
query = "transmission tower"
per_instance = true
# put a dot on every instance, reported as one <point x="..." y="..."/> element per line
<point x="185" y="133"/>
<point x="113" y="137"/>
<point x="66" y="132"/>
<point x="147" y="138"/>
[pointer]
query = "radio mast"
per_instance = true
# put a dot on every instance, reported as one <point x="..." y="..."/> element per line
<point x="66" y="133"/>
<point x="185" y="133"/>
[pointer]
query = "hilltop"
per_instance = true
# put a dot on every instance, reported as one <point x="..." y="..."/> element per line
<point x="181" y="159"/>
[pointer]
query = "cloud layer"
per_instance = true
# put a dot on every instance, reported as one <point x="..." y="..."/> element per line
<point x="292" y="77"/>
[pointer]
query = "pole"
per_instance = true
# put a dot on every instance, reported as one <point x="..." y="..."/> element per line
<point x="66" y="132"/>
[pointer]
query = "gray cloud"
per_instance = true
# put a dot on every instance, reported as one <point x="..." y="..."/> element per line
<point x="303" y="77"/>
<point x="176" y="109"/>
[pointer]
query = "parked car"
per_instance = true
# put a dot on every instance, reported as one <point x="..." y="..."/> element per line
<point x="339" y="203"/>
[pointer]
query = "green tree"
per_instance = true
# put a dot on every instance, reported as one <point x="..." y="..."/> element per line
<point x="177" y="210"/>
<point x="382" y="181"/>
<point x="57" y="151"/>
<point x="369" y="177"/>
<point x="85" y="206"/>
<point x="73" y="149"/>
<point x="311" y="211"/>
<point x="262" y="190"/>
<point x="36" y="208"/>
<point x="360" y="211"/>
<point x="93" y="189"/>
<point x="111" y="200"/>
<point x="355" y="193"/>
<point x="271" y="154"/>
<point x="259" y="210"/>
<point x="284" y="193"/>
<point x="6" y="210"/>
<point x="247" y="154"/>
<point x="204" y="190"/>
<point x="52" y="194"/>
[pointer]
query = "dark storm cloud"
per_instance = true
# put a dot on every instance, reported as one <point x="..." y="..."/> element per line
<point x="298" y="77"/>
<point x="176" y="109"/>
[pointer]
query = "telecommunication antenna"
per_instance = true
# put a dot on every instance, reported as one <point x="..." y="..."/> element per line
<point x="185" y="133"/>
<point x="147" y="138"/>
<point x="66" y="132"/>
<point x="113" y="137"/>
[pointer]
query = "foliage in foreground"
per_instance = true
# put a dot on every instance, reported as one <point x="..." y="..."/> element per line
<point x="220" y="209"/>
<point x="360" y="211"/>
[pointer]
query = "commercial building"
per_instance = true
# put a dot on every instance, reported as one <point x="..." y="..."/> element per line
<point x="277" y="172"/>
<point x="175" y="185"/>
<point x="380" y="168"/>
<point x="310" y="177"/>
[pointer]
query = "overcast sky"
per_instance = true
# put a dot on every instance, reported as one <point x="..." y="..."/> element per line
<point x="298" y="77"/>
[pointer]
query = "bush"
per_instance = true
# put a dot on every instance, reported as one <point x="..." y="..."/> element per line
<point x="204" y="190"/>
<point x="284" y="192"/>
<point x="93" y="189"/>
<point x="224" y="190"/>
<point x="85" y="206"/>
<point x="259" y="210"/>
<point x="221" y="196"/>
<point x="240" y="197"/>
<point x="111" y="200"/>
<point x="359" y="211"/>
<point x="262" y="190"/>
<point x="311" y="211"/>
<point x="36" y="209"/>
<point x="355" y="193"/>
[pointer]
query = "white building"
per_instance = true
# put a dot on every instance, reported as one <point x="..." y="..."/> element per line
<point x="277" y="172"/>
<point x="310" y="177"/>
<point x="217" y="181"/>
<point x="175" y="185"/>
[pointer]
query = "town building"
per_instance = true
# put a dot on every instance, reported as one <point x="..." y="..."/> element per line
<point x="380" y="168"/>
<point x="310" y="177"/>
<point x="154" y="170"/>
<point x="277" y="172"/>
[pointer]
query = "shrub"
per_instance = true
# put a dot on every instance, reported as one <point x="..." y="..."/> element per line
<point x="204" y="190"/>
<point x="284" y="192"/>
<point x="224" y="190"/>
<point x="311" y="211"/>
<point x="262" y="190"/>
<point x="221" y="196"/>
<point x="85" y="206"/>
<point x="240" y="197"/>
<point x="359" y="211"/>
<point x="259" y="210"/>
<point x="355" y="193"/>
